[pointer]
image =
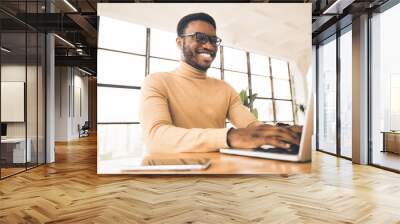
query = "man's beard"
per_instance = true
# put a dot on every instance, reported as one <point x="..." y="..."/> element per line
<point x="189" y="57"/>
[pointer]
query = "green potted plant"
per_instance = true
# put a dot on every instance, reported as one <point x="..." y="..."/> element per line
<point x="247" y="101"/>
<point x="302" y="108"/>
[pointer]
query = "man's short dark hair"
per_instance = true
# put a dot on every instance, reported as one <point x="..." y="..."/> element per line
<point x="183" y="23"/>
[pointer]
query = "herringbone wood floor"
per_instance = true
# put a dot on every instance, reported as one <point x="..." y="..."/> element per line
<point x="70" y="191"/>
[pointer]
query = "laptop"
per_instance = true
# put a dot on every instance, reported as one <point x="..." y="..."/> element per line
<point x="296" y="153"/>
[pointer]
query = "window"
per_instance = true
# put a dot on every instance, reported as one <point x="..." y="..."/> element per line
<point x="217" y="60"/>
<point x="213" y="72"/>
<point x="119" y="68"/>
<point x="239" y="81"/>
<point x="385" y="88"/>
<point x="274" y="100"/>
<point x="121" y="71"/>
<point x="117" y="104"/>
<point x="334" y="94"/>
<point x="279" y="69"/>
<point x="259" y="65"/>
<point x="327" y="96"/>
<point x="394" y="101"/>
<point x="265" y="110"/>
<point x="346" y="94"/>
<point x="235" y="60"/>
<point x="163" y="45"/>
<point x="284" y="111"/>
<point x="282" y="89"/>
<point x="162" y="65"/>
<point x="119" y="140"/>
<point x="132" y="38"/>
<point x="261" y="85"/>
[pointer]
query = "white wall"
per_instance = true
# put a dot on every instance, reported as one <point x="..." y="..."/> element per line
<point x="71" y="94"/>
<point x="15" y="72"/>
<point x="80" y="84"/>
<point x="61" y="103"/>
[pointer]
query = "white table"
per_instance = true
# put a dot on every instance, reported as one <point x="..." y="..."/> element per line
<point x="19" y="153"/>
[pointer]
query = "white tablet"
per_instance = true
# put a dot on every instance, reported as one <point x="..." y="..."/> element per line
<point x="172" y="164"/>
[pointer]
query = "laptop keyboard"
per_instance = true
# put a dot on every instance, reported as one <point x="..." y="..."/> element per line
<point x="293" y="150"/>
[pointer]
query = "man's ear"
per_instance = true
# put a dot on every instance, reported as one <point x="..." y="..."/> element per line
<point x="179" y="42"/>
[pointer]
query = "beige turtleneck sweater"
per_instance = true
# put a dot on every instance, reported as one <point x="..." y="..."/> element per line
<point x="185" y="111"/>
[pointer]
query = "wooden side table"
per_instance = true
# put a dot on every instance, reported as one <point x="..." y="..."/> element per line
<point x="391" y="141"/>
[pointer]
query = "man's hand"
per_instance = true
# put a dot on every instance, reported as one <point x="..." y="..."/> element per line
<point x="296" y="129"/>
<point x="254" y="137"/>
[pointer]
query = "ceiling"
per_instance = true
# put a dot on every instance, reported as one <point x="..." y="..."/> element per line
<point x="78" y="24"/>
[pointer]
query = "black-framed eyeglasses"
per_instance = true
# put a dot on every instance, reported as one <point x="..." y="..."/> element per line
<point x="203" y="38"/>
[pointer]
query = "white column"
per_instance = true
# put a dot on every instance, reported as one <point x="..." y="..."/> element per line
<point x="360" y="90"/>
<point x="50" y="99"/>
<point x="50" y="92"/>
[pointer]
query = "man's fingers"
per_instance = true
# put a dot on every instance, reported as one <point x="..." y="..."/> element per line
<point x="281" y="134"/>
<point x="292" y="141"/>
<point x="288" y="132"/>
<point x="279" y="130"/>
<point x="277" y="143"/>
<point x="296" y="128"/>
